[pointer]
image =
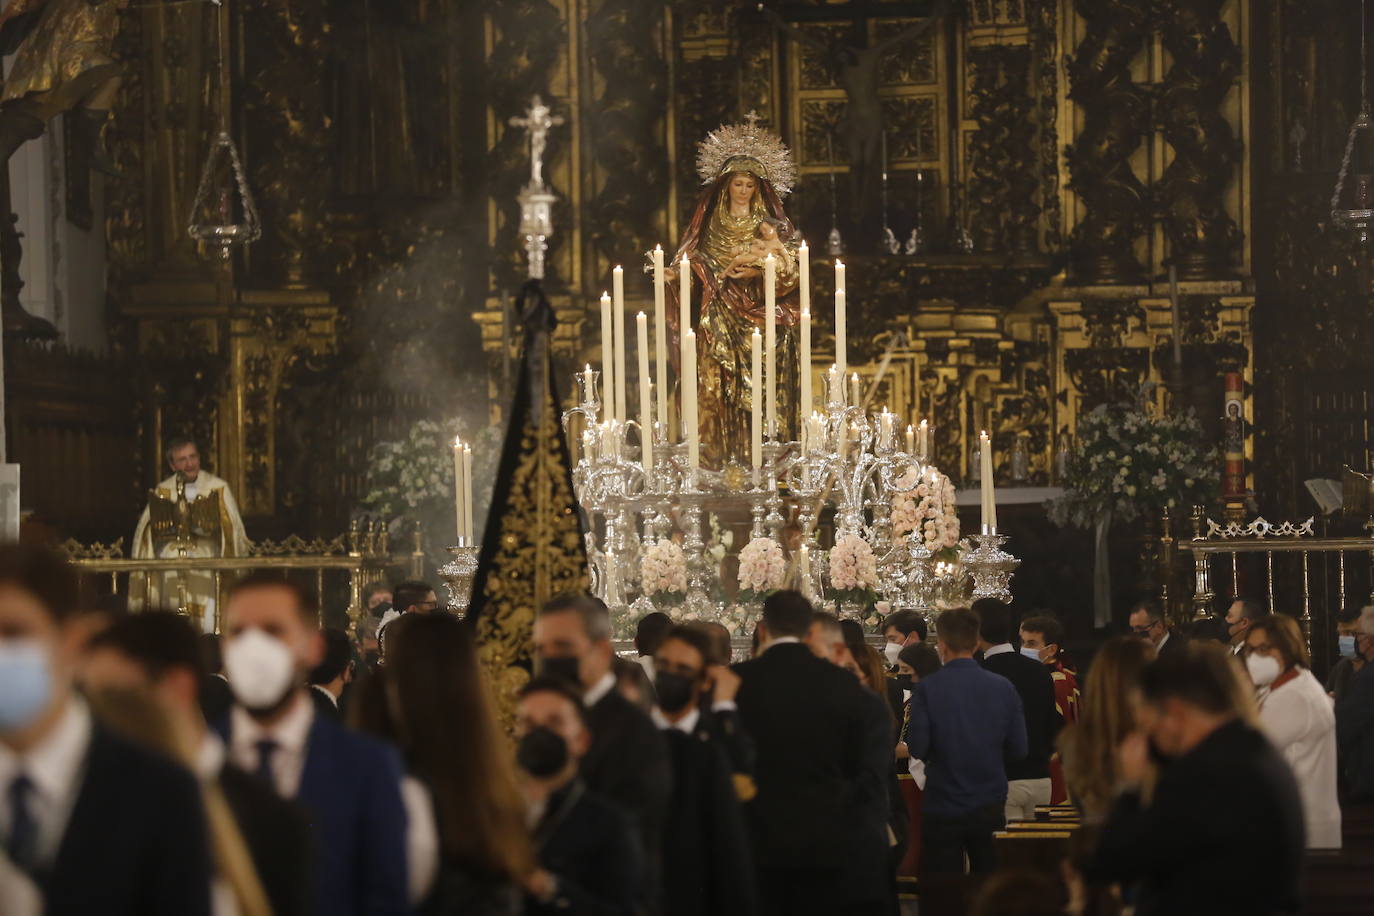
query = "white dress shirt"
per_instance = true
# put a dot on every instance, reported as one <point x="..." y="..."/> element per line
<point x="322" y="689"/>
<point x="687" y="724"/>
<point x="1300" y="722"/>
<point x="55" y="766"/>
<point x="1160" y="647"/>
<point x="1002" y="648"/>
<point x="292" y="735"/>
<point x="599" y="690"/>
<point x="647" y="663"/>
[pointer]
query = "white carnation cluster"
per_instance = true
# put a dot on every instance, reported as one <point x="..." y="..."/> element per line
<point x="852" y="565"/>
<point x="927" y="506"/>
<point x="663" y="570"/>
<point x="762" y="566"/>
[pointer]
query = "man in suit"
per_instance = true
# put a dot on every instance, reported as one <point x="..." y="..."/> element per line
<point x="99" y="824"/>
<point x="1225" y="806"/>
<point x="349" y="784"/>
<point x="215" y="696"/>
<point x="965" y="722"/>
<point x="156" y="652"/>
<point x="1028" y="779"/>
<point x="900" y="629"/>
<point x="1147" y="622"/>
<point x="1355" y="720"/>
<point x="334" y="672"/>
<point x="706" y="863"/>
<point x="1239" y="616"/>
<point x="589" y="854"/>
<point x="819" y="822"/>
<point x="627" y="762"/>
<point x="719" y="714"/>
<point x="414" y="597"/>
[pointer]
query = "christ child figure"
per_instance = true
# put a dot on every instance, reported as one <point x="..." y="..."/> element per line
<point x="766" y="241"/>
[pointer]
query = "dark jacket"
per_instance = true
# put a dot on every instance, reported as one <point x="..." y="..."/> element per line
<point x="1227" y="808"/>
<point x="1355" y="738"/>
<point x="277" y="833"/>
<point x="1035" y="686"/>
<point x="136" y="842"/>
<point x="1176" y="641"/>
<point x="825" y="748"/>
<point x="707" y="867"/>
<point x="723" y="727"/>
<point x="628" y="765"/>
<point x="351" y="792"/>
<point x="592" y="850"/>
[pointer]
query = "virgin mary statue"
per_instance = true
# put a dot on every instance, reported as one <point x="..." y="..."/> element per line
<point x="738" y="219"/>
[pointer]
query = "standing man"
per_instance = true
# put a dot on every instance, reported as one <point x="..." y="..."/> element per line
<point x="1350" y="661"/>
<point x="1239" y="616"/>
<point x="819" y="821"/>
<point x="334" y="672"/>
<point x="105" y="826"/>
<point x="1042" y="639"/>
<point x="1029" y="778"/>
<point x="348" y="783"/>
<point x="1147" y="622"/>
<point x="1355" y="721"/>
<point x="414" y="597"/>
<point x="965" y="723"/>
<point x="900" y="629"/>
<point x="192" y="513"/>
<point x="627" y="762"/>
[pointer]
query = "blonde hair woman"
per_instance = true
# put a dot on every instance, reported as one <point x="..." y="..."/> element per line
<point x="138" y="717"/>
<point x="1106" y="716"/>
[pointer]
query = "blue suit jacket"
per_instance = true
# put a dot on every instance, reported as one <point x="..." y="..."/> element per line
<point x="351" y="791"/>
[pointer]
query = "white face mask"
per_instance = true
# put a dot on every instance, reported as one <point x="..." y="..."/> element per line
<point x="261" y="669"/>
<point x="891" y="651"/>
<point x="1264" y="669"/>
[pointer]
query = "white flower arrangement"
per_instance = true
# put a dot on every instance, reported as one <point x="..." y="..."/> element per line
<point x="740" y="619"/>
<point x="762" y="569"/>
<point x="663" y="573"/>
<point x="925" y="504"/>
<point x="853" y="569"/>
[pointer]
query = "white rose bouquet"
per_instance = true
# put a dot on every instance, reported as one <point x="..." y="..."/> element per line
<point x="762" y="569"/>
<point x="927" y="508"/>
<point x="663" y="573"/>
<point x="853" y="570"/>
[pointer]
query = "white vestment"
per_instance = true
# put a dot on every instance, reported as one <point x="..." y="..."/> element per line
<point x="163" y="590"/>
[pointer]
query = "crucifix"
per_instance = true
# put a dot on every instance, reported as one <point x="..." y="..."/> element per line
<point x="537" y="120"/>
<point x="855" y="62"/>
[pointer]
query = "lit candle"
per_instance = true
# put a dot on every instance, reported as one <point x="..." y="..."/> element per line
<point x="684" y="302"/>
<point x="841" y="319"/>
<point x="985" y="470"/>
<point x="910" y="439"/>
<point x="804" y="275"/>
<point x="756" y="395"/>
<point x="816" y="438"/>
<point x="855" y="390"/>
<point x="646" y="407"/>
<point x="467" y="491"/>
<point x="618" y="309"/>
<point x="834" y="388"/>
<point x="770" y="343"/>
<point x="924" y="443"/>
<point x="458" y="489"/>
<point x="887" y="429"/>
<point x="689" y="403"/>
<point x="804" y="362"/>
<point x="660" y="337"/>
<point x="804" y="568"/>
<point x="588" y="388"/>
<point x="607" y="359"/>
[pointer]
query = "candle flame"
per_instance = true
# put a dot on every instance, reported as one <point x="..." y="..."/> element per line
<point x="839" y="263"/>
<point x="618" y="270"/>
<point x="641" y="315"/>
<point x="457" y="441"/>
<point x="803" y="244"/>
<point x="658" y="248"/>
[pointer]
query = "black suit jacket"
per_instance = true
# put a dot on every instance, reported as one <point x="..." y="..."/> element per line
<point x="1228" y="809"/>
<point x="136" y="843"/>
<point x="1355" y="737"/>
<point x="592" y="849"/>
<point x="277" y="834"/>
<point x="707" y="868"/>
<point x="628" y="765"/>
<point x="216" y="697"/>
<point x="1175" y="642"/>
<point x="729" y="734"/>
<point x="1035" y="685"/>
<point x="323" y="705"/>
<point x="824" y="763"/>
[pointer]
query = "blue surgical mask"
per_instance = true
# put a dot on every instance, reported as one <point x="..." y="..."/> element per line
<point x="1347" y="646"/>
<point x="1032" y="654"/>
<point x="25" y="683"/>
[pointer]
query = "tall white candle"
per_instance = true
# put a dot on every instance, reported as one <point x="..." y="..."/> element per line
<point x="887" y="429"/>
<point x="804" y="364"/>
<point x="607" y="359"/>
<point x="689" y="403"/>
<point x="756" y="396"/>
<point x="646" y="406"/>
<point x="660" y="338"/>
<point x="910" y="439"/>
<point x="855" y="390"/>
<point x="924" y="443"/>
<point x="684" y="303"/>
<point x="804" y="275"/>
<point x="770" y="343"/>
<point x="467" y="491"/>
<point x="841" y="320"/>
<point x="458" y="489"/>
<point x="804" y="570"/>
<point x="588" y="389"/>
<point x="835" y="384"/>
<point x="618" y="310"/>
<point x="985" y="470"/>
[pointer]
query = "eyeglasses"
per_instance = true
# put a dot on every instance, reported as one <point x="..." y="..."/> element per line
<point x="1143" y="632"/>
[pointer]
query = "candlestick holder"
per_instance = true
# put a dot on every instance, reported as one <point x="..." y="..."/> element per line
<point x="458" y="574"/>
<point x="991" y="566"/>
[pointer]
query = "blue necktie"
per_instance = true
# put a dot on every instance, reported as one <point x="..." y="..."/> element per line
<point x="22" y="843"/>
<point x="266" y="748"/>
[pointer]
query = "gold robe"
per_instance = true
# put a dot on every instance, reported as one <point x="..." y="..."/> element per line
<point x="66" y="56"/>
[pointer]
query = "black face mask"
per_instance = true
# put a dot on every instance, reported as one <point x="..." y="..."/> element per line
<point x="674" y="691"/>
<point x="542" y="753"/>
<point x="567" y="667"/>
<point x="903" y="681"/>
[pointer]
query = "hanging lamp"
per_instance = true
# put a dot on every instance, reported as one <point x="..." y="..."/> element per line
<point x="1354" y="208"/>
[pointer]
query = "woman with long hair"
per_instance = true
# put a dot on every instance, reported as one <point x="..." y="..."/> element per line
<point x="1105" y="718"/>
<point x="1295" y="714"/>
<point x="431" y="702"/>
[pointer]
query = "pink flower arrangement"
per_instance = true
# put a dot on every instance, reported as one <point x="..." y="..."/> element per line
<point x="925" y="504"/>
<point x="762" y="568"/>
<point x="853" y="569"/>
<point x="663" y="572"/>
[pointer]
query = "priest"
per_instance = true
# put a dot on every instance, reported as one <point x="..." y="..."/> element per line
<point x="191" y="514"/>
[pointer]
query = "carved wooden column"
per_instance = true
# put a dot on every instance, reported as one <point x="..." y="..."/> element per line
<point x="1116" y="118"/>
<point x="1002" y="157"/>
